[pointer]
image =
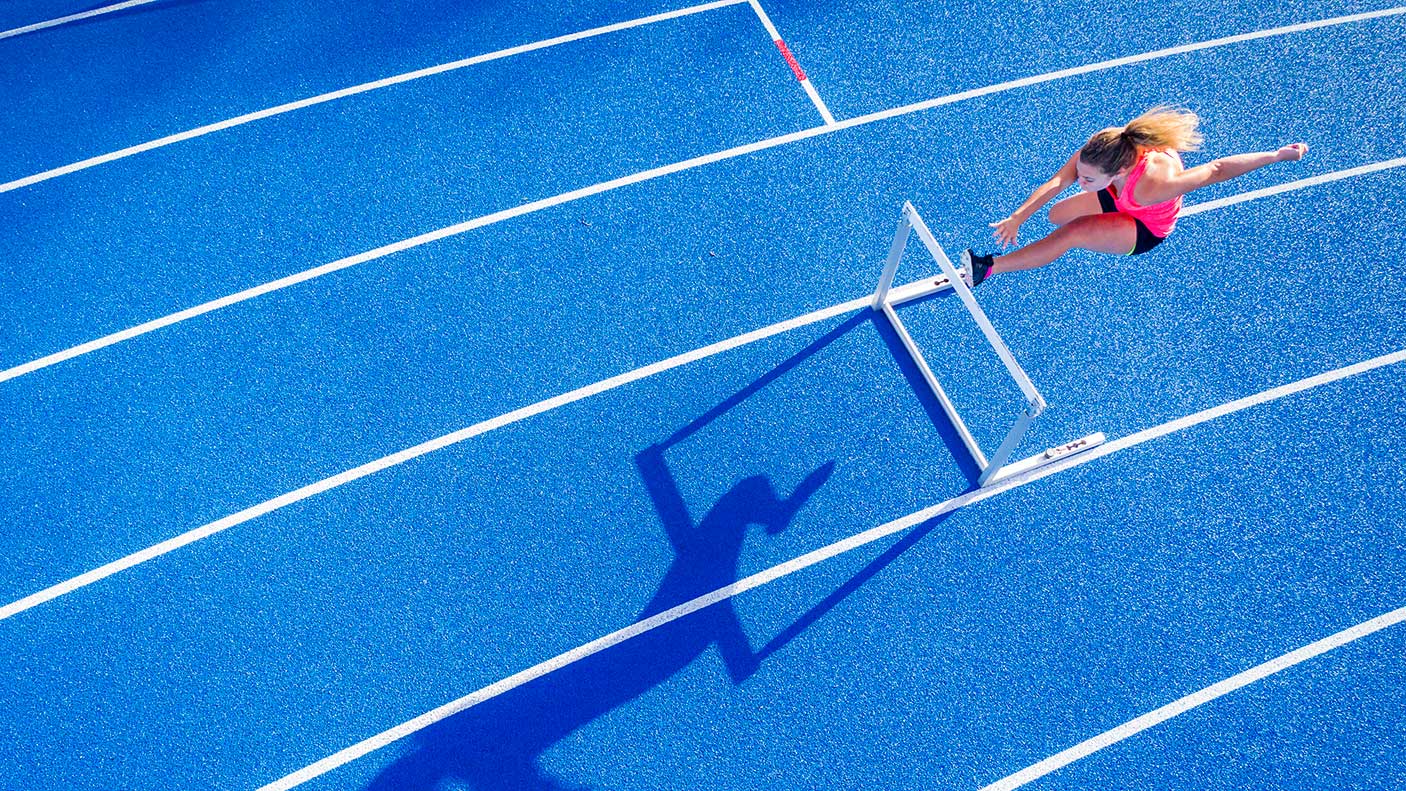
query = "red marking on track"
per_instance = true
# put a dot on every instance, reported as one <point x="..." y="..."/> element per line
<point x="791" y="60"/>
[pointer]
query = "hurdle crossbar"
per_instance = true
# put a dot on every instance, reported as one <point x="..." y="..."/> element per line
<point x="888" y="297"/>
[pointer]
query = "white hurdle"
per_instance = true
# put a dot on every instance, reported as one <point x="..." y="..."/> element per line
<point x="887" y="298"/>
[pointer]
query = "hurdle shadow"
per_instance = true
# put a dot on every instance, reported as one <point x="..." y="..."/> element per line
<point x="946" y="431"/>
<point x="496" y="745"/>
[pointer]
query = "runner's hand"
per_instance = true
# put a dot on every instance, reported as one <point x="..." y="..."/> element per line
<point x="1006" y="231"/>
<point x="1293" y="152"/>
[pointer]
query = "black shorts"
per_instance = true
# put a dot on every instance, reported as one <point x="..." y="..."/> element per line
<point x="1146" y="240"/>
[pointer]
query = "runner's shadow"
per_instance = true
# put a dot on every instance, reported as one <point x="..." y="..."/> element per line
<point x="496" y="745"/>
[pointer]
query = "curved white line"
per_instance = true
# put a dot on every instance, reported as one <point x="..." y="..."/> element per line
<point x="1293" y="185"/>
<point x="385" y="738"/>
<point x="1127" y="61"/>
<point x="19" y="31"/>
<point x="386" y="462"/>
<point x="860" y="120"/>
<point x="352" y="91"/>
<point x="545" y="203"/>
<point x="253" y="512"/>
<point x="1184" y="704"/>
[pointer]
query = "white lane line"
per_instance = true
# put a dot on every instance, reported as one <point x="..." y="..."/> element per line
<point x="190" y="537"/>
<point x="1292" y="185"/>
<point x="793" y="63"/>
<point x="20" y="31"/>
<point x="385" y="738"/>
<point x="1182" y="705"/>
<point x="354" y="90"/>
<point x="344" y="263"/>
<point x="1126" y="61"/>
<point x="527" y="208"/>
<point x="386" y="462"/>
<point x="872" y="117"/>
<point x="729" y="153"/>
<point x="814" y="96"/>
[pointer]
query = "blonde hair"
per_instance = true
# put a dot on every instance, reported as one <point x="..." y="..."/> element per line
<point x="1118" y="148"/>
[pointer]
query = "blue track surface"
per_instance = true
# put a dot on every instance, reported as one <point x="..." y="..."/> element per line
<point x="947" y="656"/>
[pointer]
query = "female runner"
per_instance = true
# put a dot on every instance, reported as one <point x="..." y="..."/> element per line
<point x="1133" y="183"/>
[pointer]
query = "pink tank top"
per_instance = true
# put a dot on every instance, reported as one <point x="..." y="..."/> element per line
<point x="1160" y="218"/>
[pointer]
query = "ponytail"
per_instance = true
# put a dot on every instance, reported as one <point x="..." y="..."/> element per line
<point x="1116" y="149"/>
<point x="1164" y="127"/>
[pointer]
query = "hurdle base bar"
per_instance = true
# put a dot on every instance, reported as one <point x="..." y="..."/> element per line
<point x="1049" y="456"/>
<point x="918" y="289"/>
<point x="887" y="297"/>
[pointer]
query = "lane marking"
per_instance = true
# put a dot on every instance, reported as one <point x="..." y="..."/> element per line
<point x="20" y="31"/>
<point x="1125" y="61"/>
<point x="815" y="99"/>
<point x="774" y="573"/>
<point x="500" y="216"/>
<point x="1292" y="185"/>
<point x="719" y="156"/>
<point x="394" y="459"/>
<point x="858" y="121"/>
<point x="354" y="90"/>
<point x="766" y="20"/>
<point x="793" y="63"/>
<point x="137" y="558"/>
<point x="1182" y="705"/>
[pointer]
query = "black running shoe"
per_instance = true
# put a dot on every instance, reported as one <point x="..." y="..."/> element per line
<point x="975" y="267"/>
